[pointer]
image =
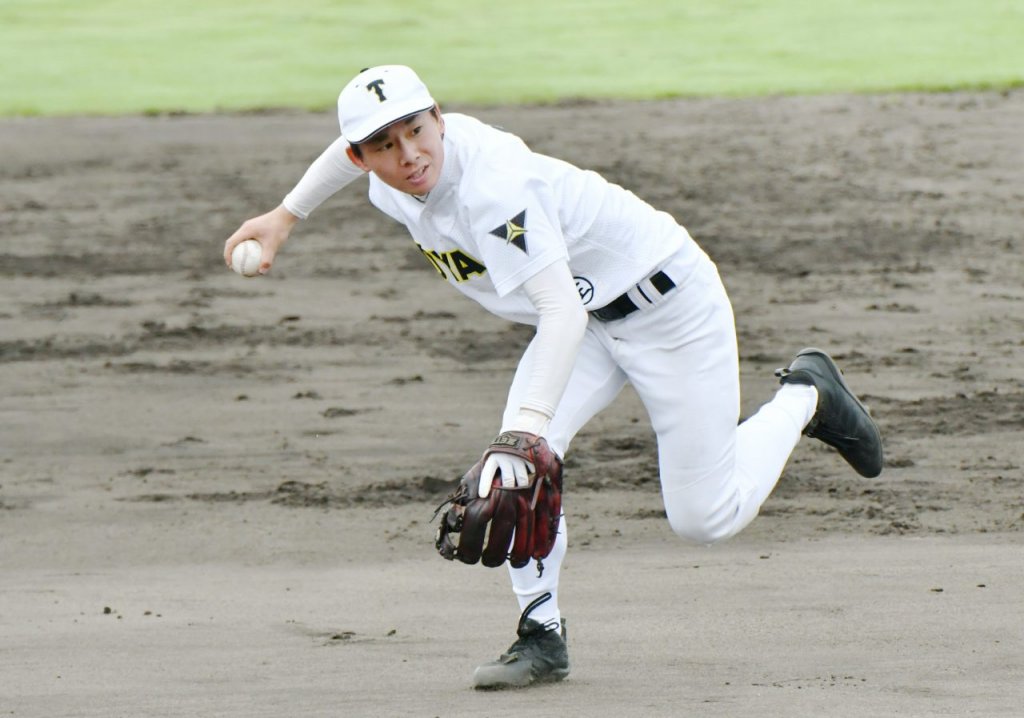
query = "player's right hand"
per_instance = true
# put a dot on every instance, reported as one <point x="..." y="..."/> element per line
<point x="270" y="229"/>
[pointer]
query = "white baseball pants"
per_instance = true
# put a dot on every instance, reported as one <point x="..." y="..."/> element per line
<point x="680" y="355"/>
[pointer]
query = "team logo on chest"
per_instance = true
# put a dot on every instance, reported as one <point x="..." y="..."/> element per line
<point x="513" y="231"/>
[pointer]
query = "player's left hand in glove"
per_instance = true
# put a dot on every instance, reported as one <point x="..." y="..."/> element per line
<point x="511" y="499"/>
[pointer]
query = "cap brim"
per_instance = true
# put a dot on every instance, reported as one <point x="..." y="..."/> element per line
<point x="375" y="123"/>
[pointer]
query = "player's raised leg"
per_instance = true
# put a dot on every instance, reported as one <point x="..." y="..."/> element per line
<point x="682" y="359"/>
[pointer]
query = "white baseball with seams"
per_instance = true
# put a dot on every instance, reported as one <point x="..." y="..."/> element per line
<point x="245" y="258"/>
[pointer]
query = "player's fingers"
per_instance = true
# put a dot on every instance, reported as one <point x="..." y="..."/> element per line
<point x="241" y="234"/>
<point x="524" y="470"/>
<point x="267" y="258"/>
<point x="487" y="476"/>
<point x="508" y="466"/>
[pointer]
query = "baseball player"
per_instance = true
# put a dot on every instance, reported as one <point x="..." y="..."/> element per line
<point x="618" y="292"/>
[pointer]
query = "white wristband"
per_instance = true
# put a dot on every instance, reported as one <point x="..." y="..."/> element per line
<point x="532" y="422"/>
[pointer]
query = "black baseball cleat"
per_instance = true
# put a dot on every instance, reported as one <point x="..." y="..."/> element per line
<point x="840" y="420"/>
<point x="539" y="655"/>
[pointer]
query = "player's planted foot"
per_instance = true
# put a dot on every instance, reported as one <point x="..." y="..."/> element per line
<point x="840" y="420"/>
<point x="539" y="655"/>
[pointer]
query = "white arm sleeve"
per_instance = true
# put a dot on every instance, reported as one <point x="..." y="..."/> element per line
<point x="560" y="328"/>
<point x="329" y="172"/>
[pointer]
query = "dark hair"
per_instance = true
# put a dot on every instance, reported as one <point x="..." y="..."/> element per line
<point x="357" y="149"/>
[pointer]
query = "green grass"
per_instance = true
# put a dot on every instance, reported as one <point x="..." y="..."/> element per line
<point x="130" y="56"/>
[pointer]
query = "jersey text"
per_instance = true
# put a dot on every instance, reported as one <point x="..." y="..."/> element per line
<point x="455" y="264"/>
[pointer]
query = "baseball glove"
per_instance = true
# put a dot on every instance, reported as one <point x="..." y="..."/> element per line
<point x="518" y="523"/>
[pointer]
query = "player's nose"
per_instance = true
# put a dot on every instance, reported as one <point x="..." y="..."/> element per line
<point x="409" y="150"/>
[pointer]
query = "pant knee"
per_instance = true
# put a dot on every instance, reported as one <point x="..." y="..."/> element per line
<point x="704" y="535"/>
<point x="700" y="527"/>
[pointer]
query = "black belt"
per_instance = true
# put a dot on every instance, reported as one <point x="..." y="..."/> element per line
<point x="624" y="306"/>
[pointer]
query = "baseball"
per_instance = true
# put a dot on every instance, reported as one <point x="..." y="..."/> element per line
<point x="245" y="258"/>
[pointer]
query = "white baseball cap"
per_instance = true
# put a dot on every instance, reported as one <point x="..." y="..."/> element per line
<point x="380" y="96"/>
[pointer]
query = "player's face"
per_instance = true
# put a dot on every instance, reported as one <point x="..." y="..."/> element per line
<point x="406" y="155"/>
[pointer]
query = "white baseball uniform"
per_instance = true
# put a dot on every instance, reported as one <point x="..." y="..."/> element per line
<point x="500" y="215"/>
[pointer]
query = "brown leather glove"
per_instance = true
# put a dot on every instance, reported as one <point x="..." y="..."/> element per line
<point x="518" y="523"/>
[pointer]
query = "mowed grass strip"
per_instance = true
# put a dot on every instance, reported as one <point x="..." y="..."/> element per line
<point x="130" y="56"/>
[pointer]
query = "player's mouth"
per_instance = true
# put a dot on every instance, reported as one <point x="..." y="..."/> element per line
<point x="418" y="177"/>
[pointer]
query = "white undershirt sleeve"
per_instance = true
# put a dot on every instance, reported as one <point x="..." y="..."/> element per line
<point x="560" y="328"/>
<point x="328" y="173"/>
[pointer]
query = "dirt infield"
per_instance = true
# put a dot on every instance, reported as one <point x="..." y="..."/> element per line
<point x="216" y="493"/>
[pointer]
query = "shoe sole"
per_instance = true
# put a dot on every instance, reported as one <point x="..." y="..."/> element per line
<point x="494" y="683"/>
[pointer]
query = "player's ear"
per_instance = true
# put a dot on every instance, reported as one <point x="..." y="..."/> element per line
<point x="436" y="112"/>
<point x="356" y="159"/>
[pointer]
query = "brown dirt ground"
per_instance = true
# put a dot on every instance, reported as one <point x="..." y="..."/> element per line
<point x="216" y="493"/>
